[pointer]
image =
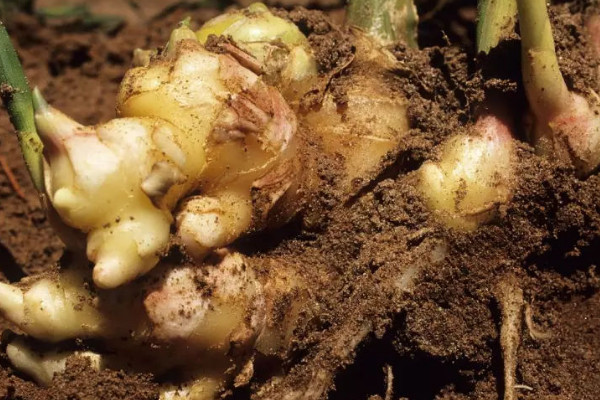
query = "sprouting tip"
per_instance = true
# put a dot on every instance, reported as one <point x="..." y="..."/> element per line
<point x="40" y="105"/>
<point x="186" y="22"/>
<point x="182" y="32"/>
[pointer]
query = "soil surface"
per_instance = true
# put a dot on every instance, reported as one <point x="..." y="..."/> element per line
<point x="373" y="335"/>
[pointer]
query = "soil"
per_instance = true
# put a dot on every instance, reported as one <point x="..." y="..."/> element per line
<point x="370" y="334"/>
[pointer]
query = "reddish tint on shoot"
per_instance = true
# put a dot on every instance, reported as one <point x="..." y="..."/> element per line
<point x="565" y="124"/>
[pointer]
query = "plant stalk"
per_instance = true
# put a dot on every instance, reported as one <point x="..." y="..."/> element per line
<point x="386" y="20"/>
<point x="496" y="21"/>
<point x="16" y="95"/>
<point x="545" y="87"/>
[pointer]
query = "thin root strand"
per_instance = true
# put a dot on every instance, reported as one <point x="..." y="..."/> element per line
<point x="389" y="381"/>
<point x="534" y="332"/>
<point x="11" y="178"/>
<point x="510" y="299"/>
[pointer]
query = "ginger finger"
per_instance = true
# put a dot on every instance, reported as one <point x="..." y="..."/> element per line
<point x="52" y="309"/>
<point x="222" y="306"/>
<point x="43" y="366"/>
<point x="95" y="184"/>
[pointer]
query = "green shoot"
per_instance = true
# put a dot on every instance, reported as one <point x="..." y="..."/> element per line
<point x="497" y="19"/>
<point x="17" y="97"/>
<point x="386" y="20"/>
<point x="546" y="89"/>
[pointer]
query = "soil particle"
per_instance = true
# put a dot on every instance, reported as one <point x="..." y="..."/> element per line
<point x="106" y="384"/>
<point x="547" y="365"/>
<point x="332" y="46"/>
<point x="575" y="55"/>
<point x="81" y="382"/>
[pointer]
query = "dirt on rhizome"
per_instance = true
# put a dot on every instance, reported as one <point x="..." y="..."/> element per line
<point x="367" y="339"/>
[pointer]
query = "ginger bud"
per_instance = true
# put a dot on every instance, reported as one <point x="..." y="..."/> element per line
<point x="473" y="176"/>
<point x="282" y="51"/>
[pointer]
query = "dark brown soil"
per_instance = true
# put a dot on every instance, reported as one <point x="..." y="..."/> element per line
<point x="441" y="339"/>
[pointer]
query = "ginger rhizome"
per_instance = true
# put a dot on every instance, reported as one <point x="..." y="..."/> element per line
<point x="213" y="317"/>
<point x="191" y="121"/>
<point x="210" y="143"/>
<point x="202" y="142"/>
<point x="206" y="147"/>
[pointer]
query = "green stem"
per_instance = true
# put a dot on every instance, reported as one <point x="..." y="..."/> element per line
<point x="496" y="21"/>
<point x="386" y="20"/>
<point x="17" y="97"/>
<point x="546" y="89"/>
